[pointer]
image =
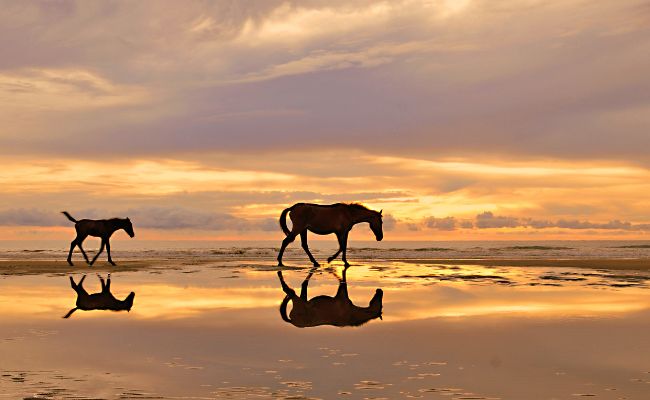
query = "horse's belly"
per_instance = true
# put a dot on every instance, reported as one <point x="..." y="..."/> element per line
<point x="321" y="231"/>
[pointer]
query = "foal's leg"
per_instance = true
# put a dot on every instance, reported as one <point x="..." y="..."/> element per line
<point x="82" y="250"/>
<point x="290" y="238"/>
<point x="303" y="240"/>
<point x="76" y="242"/>
<point x="101" y="248"/>
<point x="108" y="250"/>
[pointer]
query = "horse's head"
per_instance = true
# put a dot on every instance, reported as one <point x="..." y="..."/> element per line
<point x="128" y="227"/>
<point x="376" y="225"/>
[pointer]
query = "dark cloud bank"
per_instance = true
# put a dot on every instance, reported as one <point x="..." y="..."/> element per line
<point x="169" y="218"/>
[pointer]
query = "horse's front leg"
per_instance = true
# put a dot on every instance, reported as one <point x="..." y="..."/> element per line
<point x="101" y="248"/>
<point x="303" y="240"/>
<point x="344" y="244"/>
<point x="108" y="251"/>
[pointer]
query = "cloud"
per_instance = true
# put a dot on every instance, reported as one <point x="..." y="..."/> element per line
<point x="396" y="77"/>
<point x="488" y="220"/>
<point x="441" y="224"/>
<point x="164" y="218"/>
<point x="31" y="217"/>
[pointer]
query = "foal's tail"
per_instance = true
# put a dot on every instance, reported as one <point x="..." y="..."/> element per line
<point x="69" y="216"/>
<point x="283" y="220"/>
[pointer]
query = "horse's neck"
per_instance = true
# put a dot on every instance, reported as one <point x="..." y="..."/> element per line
<point x="361" y="216"/>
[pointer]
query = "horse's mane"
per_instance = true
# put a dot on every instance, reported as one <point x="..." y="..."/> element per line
<point x="358" y="206"/>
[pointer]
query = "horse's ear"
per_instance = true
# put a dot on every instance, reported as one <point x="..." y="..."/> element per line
<point x="380" y="211"/>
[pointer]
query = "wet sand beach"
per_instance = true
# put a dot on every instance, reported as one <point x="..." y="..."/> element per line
<point x="205" y="324"/>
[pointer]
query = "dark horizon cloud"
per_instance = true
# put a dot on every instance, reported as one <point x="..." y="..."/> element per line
<point x="181" y="218"/>
<point x="163" y="218"/>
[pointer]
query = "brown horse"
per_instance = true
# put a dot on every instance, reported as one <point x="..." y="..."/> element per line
<point x="325" y="310"/>
<point x="325" y="219"/>
<point x="101" y="228"/>
<point x="103" y="300"/>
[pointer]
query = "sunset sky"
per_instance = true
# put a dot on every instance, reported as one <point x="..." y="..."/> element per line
<point x="203" y="120"/>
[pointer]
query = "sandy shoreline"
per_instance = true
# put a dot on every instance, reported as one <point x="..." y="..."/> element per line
<point x="21" y="266"/>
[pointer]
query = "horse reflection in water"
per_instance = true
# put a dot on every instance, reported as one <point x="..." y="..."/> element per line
<point x="103" y="300"/>
<point x="326" y="310"/>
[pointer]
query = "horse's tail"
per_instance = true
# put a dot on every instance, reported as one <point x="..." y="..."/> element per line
<point x="283" y="309"/>
<point x="70" y="313"/>
<point x="69" y="216"/>
<point x="283" y="220"/>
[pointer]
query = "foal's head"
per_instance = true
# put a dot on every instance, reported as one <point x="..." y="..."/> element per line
<point x="128" y="227"/>
<point x="376" y="225"/>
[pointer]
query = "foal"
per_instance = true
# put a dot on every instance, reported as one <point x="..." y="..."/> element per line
<point x="103" y="300"/>
<point x="101" y="228"/>
<point x="325" y="219"/>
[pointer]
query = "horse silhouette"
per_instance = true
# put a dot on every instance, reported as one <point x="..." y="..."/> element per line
<point x="103" y="300"/>
<point x="101" y="228"/>
<point x="326" y="310"/>
<point x="325" y="219"/>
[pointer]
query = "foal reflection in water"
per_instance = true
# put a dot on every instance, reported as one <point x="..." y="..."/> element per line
<point x="325" y="310"/>
<point x="103" y="300"/>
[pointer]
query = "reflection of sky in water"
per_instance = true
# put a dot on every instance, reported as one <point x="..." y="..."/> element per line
<point x="448" y="332"/>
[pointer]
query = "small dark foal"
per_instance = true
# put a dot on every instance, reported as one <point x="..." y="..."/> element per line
<point x="101" y="228"/>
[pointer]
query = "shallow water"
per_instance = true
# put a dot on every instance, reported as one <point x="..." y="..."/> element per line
<point x="205" y="327"/>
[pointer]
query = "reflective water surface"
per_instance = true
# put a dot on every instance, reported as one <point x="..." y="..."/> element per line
<point x="204" y="329"/>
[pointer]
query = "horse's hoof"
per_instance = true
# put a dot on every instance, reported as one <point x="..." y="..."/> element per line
<point x="280" y="264"/>
<point x="112" y="263"/>
<point x="329" y="260"/>
<point x="316" y="265"/>
<point x="70" y="263"/>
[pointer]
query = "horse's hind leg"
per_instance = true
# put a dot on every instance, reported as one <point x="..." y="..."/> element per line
<point x="290" y="238"/>
<point x="303" y="240"/>
<point x="285" y="288"/>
